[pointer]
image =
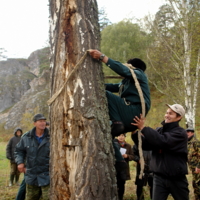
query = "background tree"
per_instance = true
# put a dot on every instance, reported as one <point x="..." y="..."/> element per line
<point x="174" y="55"/>
<point x="122" y="41"/>
<point x="103" y="19"/>
<point x="82" y="163"/>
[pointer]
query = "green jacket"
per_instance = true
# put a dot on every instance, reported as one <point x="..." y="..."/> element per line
<point x="127" y="87"/>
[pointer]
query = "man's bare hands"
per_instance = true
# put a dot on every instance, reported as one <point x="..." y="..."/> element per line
<point x="139" y="122"/>
<point x="96" y="55"/>
<point x="125" y="156"/>
<point x="21" y="168"/>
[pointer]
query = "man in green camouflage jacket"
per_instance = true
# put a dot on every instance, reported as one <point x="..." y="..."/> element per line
<point x="193" y="161"/>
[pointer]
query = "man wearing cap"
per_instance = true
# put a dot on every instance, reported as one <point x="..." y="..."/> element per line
<point x="169" y="154"/>
<point x="33" y="149"/>
<point x="193" y="160"/>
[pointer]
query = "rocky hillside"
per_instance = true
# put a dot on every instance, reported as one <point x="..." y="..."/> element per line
<point x="24" y="88"/>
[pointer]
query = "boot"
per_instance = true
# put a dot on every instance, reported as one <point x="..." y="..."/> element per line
<point x="11" y="180"/>
<point x="117" y="128"/>
<point x="17" y="179"/>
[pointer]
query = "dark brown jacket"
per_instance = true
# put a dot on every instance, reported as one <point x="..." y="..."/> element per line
<point x="129" y="152"/>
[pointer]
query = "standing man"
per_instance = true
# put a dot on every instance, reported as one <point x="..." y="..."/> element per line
<point x="10" y="148"/>
<point x="34" y="149"/>
<point x="127" y="105"/>
<point x="193" y="161"/>
<point x="169" y="154"/>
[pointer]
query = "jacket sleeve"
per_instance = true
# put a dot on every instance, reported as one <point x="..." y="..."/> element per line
<point x="123" y="70"/>
<point x="167" y="140"/>
<point x="20" y="151"/>
<point x="9" y="149"/>
<point x="112" y="87"/>
<point x="130" y="153"/>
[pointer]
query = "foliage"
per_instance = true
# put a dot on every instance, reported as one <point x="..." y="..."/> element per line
<point x="5" y="135"/>
<point x="174" y="55"/>
<point x="122" y="41"/>
<point x="44" y="59"/>
<point x="103" y="19"/>
<point x="27" y="122"/>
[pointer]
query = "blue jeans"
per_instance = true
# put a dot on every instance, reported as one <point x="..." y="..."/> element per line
<point x="22" y="191"/>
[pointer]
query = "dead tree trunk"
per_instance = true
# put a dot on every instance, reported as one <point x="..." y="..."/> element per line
<point x="82" y="162"/>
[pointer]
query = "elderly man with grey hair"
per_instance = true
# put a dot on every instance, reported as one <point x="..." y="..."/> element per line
<point x="169" y="154"/>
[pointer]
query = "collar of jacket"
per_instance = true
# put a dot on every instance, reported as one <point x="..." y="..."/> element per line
<point x="169" y="126"/>
<point x="32" y="132"/>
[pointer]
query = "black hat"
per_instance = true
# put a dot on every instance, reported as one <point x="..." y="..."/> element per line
<point x="38" y="117"/>
<point x="138" y="63"/>
<point x="190" y="129"/>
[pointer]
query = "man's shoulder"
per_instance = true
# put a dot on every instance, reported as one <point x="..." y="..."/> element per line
<point x="26" y="134"/>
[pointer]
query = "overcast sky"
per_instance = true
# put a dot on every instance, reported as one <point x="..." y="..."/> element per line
<point x="24" y="24"/>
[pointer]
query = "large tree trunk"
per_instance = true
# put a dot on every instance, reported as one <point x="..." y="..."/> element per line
<point x="82" y="162"/>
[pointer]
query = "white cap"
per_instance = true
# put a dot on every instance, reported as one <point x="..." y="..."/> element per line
<point x="177" y="108"/>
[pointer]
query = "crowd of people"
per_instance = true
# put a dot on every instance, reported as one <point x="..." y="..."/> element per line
<point x="167" y="150"/>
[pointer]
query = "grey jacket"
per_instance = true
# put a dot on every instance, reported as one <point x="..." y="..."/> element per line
<point x="36" y="156"/>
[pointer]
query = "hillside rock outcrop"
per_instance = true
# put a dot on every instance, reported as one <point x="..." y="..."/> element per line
<point x="24" y="87"/>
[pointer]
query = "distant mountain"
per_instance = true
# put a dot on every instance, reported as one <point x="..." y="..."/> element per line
<point x="24" y="88"/>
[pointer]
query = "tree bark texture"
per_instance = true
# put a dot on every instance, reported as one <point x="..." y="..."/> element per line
<point x="82" y="162"/>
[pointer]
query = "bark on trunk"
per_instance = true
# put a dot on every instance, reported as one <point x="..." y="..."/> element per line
<point x="82" y="162"/>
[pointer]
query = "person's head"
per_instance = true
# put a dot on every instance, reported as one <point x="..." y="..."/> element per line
<point x="138" y="63"/>
<point x="39" y="121"/>
<point x="190" y="132"/>
<point x="174" y="113"/>
<point x="18" y="132"/>
<point x="121" y="138"/>
<point x="47" y="124"/>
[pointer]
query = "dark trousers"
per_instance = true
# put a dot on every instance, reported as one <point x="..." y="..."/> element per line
<point x="140" y="184"/>
<point x="177" y="187"/>
<point x="22" y="191"/>
<point x="119" y="111"/>
<point x="121" y="188"/>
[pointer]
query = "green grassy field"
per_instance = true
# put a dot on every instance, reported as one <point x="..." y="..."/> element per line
<point x="6" y="193"/>
<point x="9" y="193"/>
